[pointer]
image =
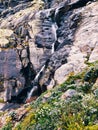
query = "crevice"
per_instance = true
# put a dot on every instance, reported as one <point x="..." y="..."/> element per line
<point x="79" y="4"/>
<point x="22" y="36"/>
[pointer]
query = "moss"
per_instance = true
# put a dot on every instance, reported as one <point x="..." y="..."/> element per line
<point x="27" y="122"/>
<point x="73" y="78"/>
<point x="1" y="100"/>
<point x="2" y="113"/>
<point x="94" y="127"/>
<point x="92" y="64"/>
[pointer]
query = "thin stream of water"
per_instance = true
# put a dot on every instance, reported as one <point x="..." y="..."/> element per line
<point x="54" y="29"/>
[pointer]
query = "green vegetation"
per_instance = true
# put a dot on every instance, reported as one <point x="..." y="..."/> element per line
<point x="76" y="112"/>
<point x="7" y="127"/>
<point x="1" y="100"/>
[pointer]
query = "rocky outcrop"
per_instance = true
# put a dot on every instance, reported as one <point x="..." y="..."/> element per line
<point x="42" y="42"/>
<point x="10" y="67"/>
<point x="84" y="47"/>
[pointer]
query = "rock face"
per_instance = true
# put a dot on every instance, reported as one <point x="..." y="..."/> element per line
<point x="10" y="67"/>
<point x="50" y="34"/>
<point x="84" y="48"/>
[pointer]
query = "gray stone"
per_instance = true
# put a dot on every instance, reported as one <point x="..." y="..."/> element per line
<point x="62" y="37"/>
<point x="68" y="94"/>
<point x="25" y="62"/>
<point x="24" y="53"/>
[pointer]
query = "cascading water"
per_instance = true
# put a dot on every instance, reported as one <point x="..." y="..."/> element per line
<point x="31" y="92"/>
<point x="53" y="48"/>
<point x="54" y="29"/>
<point x="35" y="80"/>
<point x="38" y="74"/>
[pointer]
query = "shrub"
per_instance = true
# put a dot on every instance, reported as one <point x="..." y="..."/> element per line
<point x="7" y="126"/>
<point x="27" y="122"/>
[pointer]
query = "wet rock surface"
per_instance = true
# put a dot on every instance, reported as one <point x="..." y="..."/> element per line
<point x="45" y="33"/>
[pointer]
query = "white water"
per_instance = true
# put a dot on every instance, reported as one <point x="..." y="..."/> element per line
<point x="54" y="29"/>
<point x="35" y="87"/>
<point x="56" y="12"/>
<point x="53" y="48"/>
<point x="37" y="76"/>
<point x="31" y="92"/>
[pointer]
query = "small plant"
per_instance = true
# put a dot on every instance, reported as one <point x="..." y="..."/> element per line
<point x="7" y="126"/>
<point x="27" y="122"/>
<point x="96" y="93"/>
<point x="86" y="87"/>
<point x="79" y="112"/>
<point x="91" y="75"/>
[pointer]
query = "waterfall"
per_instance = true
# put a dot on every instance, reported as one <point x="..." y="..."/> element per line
<point x="56" y="16"/>
<point x="38" y="74"/>
<point x="31" y="92"/>
<point x="35" y="80"/>
<point x="57" y="11"/>
<point x="53" y="48"/>
<point x="54" y="29"/>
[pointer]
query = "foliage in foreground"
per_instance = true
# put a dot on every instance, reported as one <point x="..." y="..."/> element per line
<point x="78" y="112"/>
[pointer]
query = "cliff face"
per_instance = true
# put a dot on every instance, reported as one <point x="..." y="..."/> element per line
<point x="42" y="42"/>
